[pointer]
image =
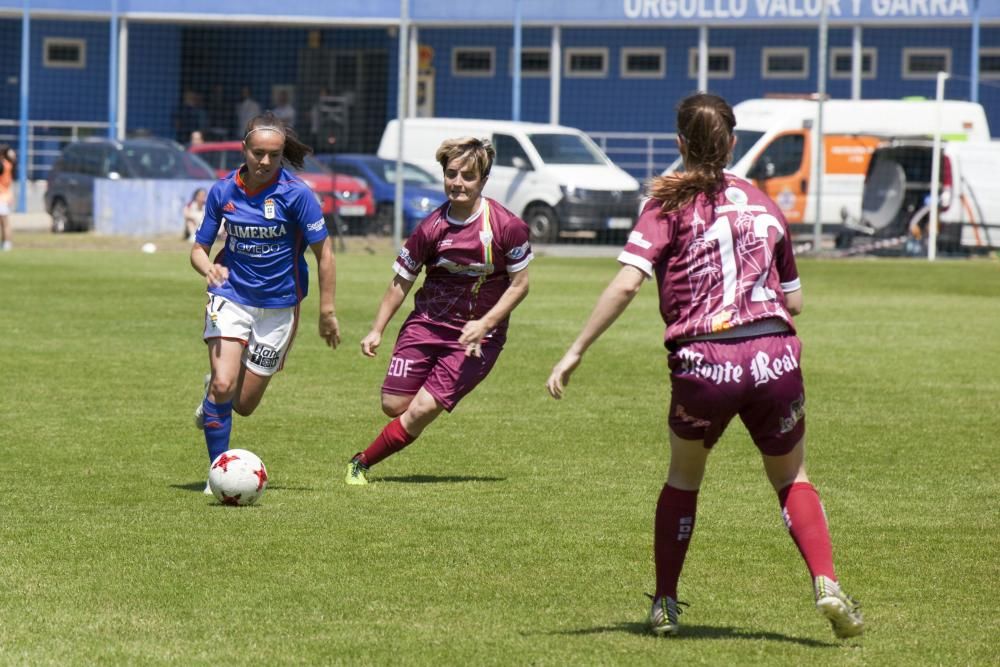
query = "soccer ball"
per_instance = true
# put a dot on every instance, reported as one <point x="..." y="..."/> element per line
<point x="237" y="477"/>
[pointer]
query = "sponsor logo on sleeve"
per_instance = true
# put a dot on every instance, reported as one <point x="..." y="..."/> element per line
<point x="520" y="251"/>
<point x="407" y="260"/>
<point x="316" y="226"/>
<point x="635" y="238"/>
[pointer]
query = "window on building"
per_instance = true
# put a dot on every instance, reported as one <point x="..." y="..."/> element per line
<point x="925" y="63"/>
<point x="989" y="63"/>
<point x="62" y="52"/>
<point x="535" y="62"/>
<point x="784" y="63"/>
<point x="586" y="62"/>
<point x="840" y="63"/>
<point x="643" y="63"/>
<point x="473" y="61"/>
<point x="720" y="63"/>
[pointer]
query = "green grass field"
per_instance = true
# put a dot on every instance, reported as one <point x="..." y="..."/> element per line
<point x="518" y="529"/>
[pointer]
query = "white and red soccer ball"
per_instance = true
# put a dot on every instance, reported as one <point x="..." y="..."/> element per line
<point x="237" y="477"/>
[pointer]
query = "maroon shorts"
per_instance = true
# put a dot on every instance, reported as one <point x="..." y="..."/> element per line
<point x="758" y="379"/>
<point x="429" y="355"/>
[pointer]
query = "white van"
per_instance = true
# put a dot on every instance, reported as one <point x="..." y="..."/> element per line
<point x="554" y="177"/>
<point x="896" y="199"/>
<point x="774" y="146"/>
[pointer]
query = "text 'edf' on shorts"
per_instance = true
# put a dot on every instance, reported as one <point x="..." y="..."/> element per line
<point x="429" y="355"/>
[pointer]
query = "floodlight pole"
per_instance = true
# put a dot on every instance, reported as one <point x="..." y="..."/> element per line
<point x="22" y="135"/>
<point x="974" y="60"/>
<point x="703" y="58"/>
<point x="515" y="97"/>
<point x="932" y="225"/>
<point x="555" y="70"/>
<point x="113" y="72"/>
<point x="402" y="95"/>
<point x="818" y="141"/>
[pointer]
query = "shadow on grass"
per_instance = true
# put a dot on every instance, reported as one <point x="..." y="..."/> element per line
<point x="200" y="486"/>
<point x="694" y="632"/>
<point x="437" y="479"/>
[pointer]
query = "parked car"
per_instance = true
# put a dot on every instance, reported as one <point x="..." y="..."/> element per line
<point x="422" y="191"/>
<point x="348" y="197"/>
<point x="555" y="177"/>
<point x="69" y="198"/>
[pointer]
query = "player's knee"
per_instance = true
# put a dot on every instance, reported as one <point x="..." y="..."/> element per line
<point x="222" y="387"/>
<point x="394" y="406"/>
<point x="244" y="410"/>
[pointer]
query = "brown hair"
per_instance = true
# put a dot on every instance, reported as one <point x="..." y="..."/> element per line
<point x="480" y="151"/>
<point x="705" y="126"/>
<point x="294" y="151"/>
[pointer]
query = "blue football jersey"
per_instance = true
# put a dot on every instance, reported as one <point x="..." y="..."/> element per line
<point x="268" y="231"/>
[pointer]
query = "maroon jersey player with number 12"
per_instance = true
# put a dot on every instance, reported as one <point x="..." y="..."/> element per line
<point x="728" y="285"/>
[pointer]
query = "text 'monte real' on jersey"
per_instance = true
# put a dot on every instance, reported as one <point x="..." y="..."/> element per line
<point x="718" y="264"/>
<point x="468" y="263"/>
<point x="268" y="231"/>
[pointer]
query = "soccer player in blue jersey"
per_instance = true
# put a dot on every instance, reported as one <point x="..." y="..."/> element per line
<point x="260" y="276"/>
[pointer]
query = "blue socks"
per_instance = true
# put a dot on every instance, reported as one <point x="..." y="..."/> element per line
<point x="218" y="426"/>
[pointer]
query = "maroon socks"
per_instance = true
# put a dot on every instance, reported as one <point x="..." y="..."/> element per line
<point x="392" y="439"/>
<point x="806" y="521"/>
<point x="673" y="527"/>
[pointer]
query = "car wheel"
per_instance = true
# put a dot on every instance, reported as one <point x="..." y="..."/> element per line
<point x="61" y="221"/>
<point x="542" y="223"/>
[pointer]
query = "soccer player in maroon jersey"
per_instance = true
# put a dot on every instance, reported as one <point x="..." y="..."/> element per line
<point x="722" y="258"/>
<point x="476" y="255"/>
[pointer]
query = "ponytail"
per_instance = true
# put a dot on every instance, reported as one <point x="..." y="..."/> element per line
<point x="705" y="126"/>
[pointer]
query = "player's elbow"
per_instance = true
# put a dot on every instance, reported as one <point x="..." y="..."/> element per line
<point x="793" y="302"/>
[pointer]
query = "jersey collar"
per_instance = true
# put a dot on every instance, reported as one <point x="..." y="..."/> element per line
<point x="472" y="218"/>
<point x="252" y="193"/>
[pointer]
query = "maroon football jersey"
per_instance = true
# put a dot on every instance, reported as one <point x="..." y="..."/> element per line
<point x="718" y="264"/>
<point x="468" y="263"/>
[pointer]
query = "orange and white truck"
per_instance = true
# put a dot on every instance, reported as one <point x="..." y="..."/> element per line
<point x="776" y="145"/>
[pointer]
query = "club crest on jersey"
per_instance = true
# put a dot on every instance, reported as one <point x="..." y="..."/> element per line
<point x="269" y="209"/>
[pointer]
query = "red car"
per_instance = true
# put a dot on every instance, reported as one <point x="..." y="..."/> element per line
<point x="349" y="197"/>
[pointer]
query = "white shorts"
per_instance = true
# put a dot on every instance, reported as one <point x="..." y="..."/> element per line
<point x="4" y="207"/>
<point x="266" y="333"/>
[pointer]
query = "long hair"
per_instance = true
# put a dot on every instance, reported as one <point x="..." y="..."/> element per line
<point x="480" y="151"/>
<point x="294" y="151"/>
<point x="705" y="125"/>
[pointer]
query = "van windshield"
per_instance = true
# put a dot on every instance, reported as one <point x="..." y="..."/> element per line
<point x="745" y="139"/>
<point x="566" y="149"/>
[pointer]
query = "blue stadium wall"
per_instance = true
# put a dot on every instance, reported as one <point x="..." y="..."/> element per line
<point x="604" y="104"/>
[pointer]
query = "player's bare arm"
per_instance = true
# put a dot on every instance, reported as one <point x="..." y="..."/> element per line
<point x="329" y="328"/>
<point x="475" y="331"/>
<point x="215" y="274"/>
<point x="393" y="298"/>
<point x="793" y="301"/>
<point x="611" y="304"/>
